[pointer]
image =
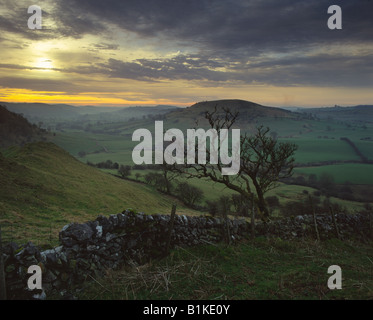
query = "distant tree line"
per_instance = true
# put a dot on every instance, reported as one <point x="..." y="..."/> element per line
<point x="123" y="170"/>
<point x="235" y="204"/>
<point x="232" y="205"/>
<point x="108" y="164"/>
<point x="326" y="185"/>
<point x="325" y="182"/>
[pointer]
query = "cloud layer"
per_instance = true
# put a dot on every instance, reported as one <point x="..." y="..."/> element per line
<point x="205" y="42"/>
<point x="246" y="39"/>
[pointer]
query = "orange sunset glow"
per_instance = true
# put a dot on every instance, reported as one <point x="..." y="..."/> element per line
<point x="89" y="56"/>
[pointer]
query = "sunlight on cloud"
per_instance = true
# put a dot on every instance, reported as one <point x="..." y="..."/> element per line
<point x="44" y="64"/>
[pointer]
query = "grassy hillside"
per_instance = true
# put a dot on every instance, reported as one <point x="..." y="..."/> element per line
<point x="42" y="188"/>
<point x="15" y="129"/>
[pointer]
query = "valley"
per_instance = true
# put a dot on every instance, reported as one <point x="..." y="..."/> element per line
<point x="320" y="148"/>
<point x="66" y="173"/>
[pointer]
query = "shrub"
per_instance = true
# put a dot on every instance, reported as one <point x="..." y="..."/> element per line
<point x="124" y="171"/>
<point x="189" y="194"/>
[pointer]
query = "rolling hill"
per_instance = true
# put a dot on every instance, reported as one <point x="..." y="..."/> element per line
<point x="250" y="115"/>
<point x="249" y="112"/>
<point x="52" y="113"/>
<point x="42" y="111"/>
<point x="242" y="106"/>
<point x="357" y="114"/>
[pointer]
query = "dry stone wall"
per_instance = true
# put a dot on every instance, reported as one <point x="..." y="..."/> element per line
<point x="86" y="250"/>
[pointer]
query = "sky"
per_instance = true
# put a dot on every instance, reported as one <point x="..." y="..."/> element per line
<point x="151" y="52"/>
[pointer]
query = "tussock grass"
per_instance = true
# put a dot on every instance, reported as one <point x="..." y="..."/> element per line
<point x="262" y="269"/>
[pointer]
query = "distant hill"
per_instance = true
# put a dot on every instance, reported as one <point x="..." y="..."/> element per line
<point x="41" y="111"/>
<point x="360" y="113"/>
<point x="42" y="186"/>
<point x="250" y="115"/>
<point x="243" y="107"/>
<point x="248" y="112"/>
<point x="128" y="113"/>
<point x="16" y="130"/>
<point x="36" y="112"/>
<point x="51" y="113"/>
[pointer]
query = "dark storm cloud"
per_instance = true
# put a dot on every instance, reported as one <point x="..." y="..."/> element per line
<point x="248" y="41"/>
<point x="180" y="67"/>
<point x="234" y="24"/>
<point x="75" y="23"/>
<point x="228" y="34"/>
<point x="188" y="67"/>
<point x="323" y="70"/>
<point x="247" y="25"/>
<point x="105" y="46"/>
<point x="15" y="21"/>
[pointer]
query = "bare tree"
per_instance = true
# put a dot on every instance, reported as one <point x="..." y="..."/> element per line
<point x="263" y="162"/>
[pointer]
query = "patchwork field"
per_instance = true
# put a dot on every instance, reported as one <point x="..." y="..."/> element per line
<point x="354" y="173"/>
<point x="55" y="185"/>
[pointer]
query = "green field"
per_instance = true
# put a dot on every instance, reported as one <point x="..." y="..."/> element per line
<point x="322" y="150"/>
<point x="98" y="147"/>
<point x="354" y="173"/>
<point x="366" y="148"/>
<point x="318" y="142"/>
<point x="43" y="188"/>
<point x="119" y="148"/>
